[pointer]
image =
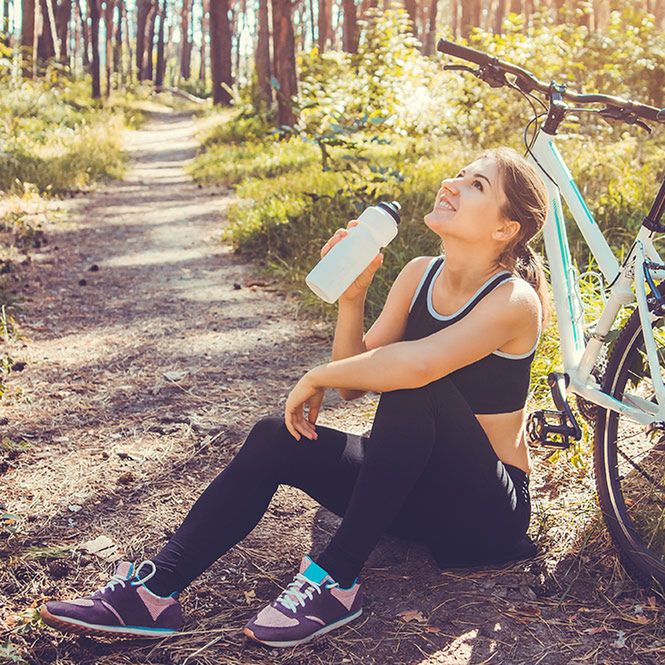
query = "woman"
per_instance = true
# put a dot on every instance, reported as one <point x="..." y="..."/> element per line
<point x="446" y="462"/>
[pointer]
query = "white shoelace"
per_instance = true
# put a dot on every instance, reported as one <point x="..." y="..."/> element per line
<point x="293" y="595"/>
<point x="118" y="579"/>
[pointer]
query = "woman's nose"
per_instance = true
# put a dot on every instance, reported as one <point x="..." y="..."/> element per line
<point x="450" y="184"/>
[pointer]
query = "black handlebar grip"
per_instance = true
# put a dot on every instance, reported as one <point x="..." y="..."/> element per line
<point x="463" y="52"/>
<point x="660" y="116"/>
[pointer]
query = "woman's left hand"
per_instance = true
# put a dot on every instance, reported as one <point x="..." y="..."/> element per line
<point x="304" y="392"/>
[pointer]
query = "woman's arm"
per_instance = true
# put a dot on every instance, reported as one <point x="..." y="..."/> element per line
<point x="349" y="337"/>
<point x="390" y="325"/>
<point x="502" y="316"/>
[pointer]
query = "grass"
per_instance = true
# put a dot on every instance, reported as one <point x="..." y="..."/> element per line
<point x="55" y="138"/>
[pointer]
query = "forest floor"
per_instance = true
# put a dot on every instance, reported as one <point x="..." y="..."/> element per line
<point x="146" y="349"/>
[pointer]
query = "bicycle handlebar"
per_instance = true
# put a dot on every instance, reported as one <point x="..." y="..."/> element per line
<point x="527" y="82"/>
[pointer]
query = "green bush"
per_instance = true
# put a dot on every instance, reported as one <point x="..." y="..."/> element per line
<point x="54" y="136"/>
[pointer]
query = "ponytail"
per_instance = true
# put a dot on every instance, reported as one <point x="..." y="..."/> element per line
<point x="527" y="204"/>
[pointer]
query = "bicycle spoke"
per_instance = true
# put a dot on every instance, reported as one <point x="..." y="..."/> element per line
<point x="639" y="457"/>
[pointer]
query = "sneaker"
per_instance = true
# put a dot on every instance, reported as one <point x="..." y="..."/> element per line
<point x="313" y="604"/>
<point x="125" y="606"/>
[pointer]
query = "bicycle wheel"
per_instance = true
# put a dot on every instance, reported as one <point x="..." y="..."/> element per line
<point x="629" y="463"/>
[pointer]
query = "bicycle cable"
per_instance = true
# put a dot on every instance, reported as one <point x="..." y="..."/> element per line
<point x="536" y="116"/>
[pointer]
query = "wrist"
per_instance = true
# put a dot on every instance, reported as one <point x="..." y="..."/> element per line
<point x="356" y="301"/>
<point x="314" y="376"/>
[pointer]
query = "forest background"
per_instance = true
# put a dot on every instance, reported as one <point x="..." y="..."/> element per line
<point x="331" y="105"/>
<point x="317" y="108"/>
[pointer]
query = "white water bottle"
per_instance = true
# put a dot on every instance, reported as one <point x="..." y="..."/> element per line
<point x="347" y="259"/>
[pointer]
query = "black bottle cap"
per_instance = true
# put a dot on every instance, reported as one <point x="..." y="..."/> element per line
<point x="392" y="208"/>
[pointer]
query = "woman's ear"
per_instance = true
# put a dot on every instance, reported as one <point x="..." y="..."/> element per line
<point x="508" y="231"/>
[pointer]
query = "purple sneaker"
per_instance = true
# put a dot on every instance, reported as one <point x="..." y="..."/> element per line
<point x="125" y="606"/>
<point x="313" y="604"/>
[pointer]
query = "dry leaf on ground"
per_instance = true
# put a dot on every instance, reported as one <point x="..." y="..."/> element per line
<point x="412" y="615"/>
<point x="103" y="547"/>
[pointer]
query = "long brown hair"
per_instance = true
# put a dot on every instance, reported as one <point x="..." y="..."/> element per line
<point x="526" y="203"/>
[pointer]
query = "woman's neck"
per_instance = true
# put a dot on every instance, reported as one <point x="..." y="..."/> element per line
<point x="461" y="276"/>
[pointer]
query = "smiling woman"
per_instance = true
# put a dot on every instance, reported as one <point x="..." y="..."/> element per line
<point x="446" y="461"/>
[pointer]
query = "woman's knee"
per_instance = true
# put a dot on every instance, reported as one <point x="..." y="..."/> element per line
<point x="267" y="433"/>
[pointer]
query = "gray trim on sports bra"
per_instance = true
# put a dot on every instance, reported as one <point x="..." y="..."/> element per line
<point x="422" y="280"/>
<point x="467" y="304"/>
<point x="441" y="317"/>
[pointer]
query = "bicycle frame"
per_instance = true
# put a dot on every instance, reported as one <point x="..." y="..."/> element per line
<point x="579" y="356"/>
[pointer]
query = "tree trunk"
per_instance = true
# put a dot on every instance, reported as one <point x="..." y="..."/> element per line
<point x="325" y="23"/>
<point x="516" y="5"/>
<point x="411" y="10"/>
<point x="94" y="10"/>
<point x="47" y="45"/>
<point x="454" y="18"/>
<point x="659" y="13"/>
<point x="430" y="32"/>
<point x="27" y="34"/>
<point x="302" y="31"/>
<point x="204" y="31"/>
<point x="220" y="51"/>
<point x="185" y="40"/>
<point x="236" y="16"/>
<point x="143" y="8"/>
<point x="62" y="18"/>
<point x="350" y="38"/>
<point x="499" y="16"/>
<point x="601" y="12"/>
<point x="161" y="62"/>
<point x="150" y="41"/>
<point x="117" y="49"/>
<point x="109" y="9"/>
<point x="6" y="35"/>
<point x="311" y="21"/>
<point x="128" y="44"/>
<point x="76" y="31"/>
<point x="470" y="16"/>
<point x="263" y="56"/>
<point x="284" y="59"/>
<point x="85" y="34"/>
<point x="365" y="5"/>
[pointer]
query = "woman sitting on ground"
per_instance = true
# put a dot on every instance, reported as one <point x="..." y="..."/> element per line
<point x="446" y="462"/>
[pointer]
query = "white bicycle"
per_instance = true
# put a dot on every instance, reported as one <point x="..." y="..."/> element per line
<point x="620" y="386"/>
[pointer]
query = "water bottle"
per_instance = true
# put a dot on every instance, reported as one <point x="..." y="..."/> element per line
<point x="346" y="260"/>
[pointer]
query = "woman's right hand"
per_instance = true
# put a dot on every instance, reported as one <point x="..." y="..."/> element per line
<point x="358" y="288"/>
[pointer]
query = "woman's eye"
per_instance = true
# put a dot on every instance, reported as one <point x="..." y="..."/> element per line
<point x="480" y="184"/>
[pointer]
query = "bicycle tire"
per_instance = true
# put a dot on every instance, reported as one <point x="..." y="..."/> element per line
<point x="645" y="564"/>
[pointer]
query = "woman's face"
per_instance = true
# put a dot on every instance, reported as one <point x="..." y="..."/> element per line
<point x="468" y="206"/>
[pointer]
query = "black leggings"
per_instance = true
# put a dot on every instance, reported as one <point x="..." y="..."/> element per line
<point x="427" y="472"/>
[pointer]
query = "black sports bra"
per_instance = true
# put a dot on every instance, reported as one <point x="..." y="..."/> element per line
<point x="497" y="383"/>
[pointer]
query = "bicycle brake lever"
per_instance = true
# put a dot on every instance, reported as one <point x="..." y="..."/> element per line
<point x="612" y="113"/>
<point x="644" y="125"/>
<point x="495" y="78"/>
<point x="461" y="68"/>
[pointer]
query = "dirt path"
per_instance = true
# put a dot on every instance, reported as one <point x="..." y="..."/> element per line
<point x="148" y="358"/>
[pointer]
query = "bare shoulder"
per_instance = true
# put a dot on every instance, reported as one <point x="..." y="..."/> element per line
<point x="416" y="267"/>
<point x="518" y="300"/>
<point x="412" y="273"/>
<point x="391" y="323"/>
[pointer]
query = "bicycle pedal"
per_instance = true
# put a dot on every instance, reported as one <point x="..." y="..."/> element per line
<point x="555" y="428"/>
<point x="549" y="428"/>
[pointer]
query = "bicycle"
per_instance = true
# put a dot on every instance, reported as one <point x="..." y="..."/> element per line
<point x="626" y="402"/>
